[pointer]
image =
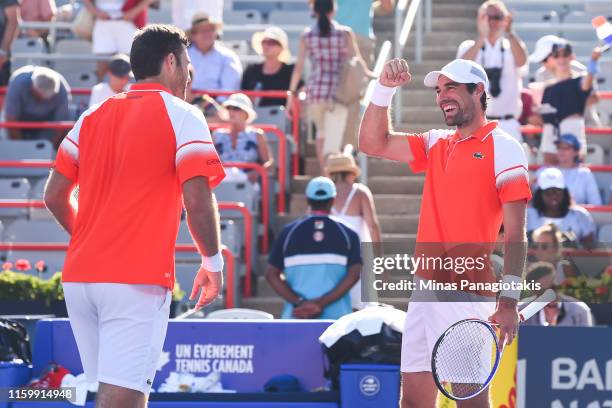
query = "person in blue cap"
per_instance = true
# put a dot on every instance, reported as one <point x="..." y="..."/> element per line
<point x="579" y="179"/>
<point x="319" y="257"/>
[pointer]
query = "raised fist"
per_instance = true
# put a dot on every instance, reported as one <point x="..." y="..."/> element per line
<point x="395" y="73"/>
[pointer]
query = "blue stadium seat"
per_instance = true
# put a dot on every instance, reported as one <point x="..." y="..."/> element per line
<point x="240" y="17"/>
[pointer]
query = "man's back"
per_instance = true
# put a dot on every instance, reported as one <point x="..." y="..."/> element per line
<point x="130" y="156"/>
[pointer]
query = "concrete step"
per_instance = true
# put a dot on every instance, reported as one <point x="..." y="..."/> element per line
<point x="382" y="167"/>
<point x="396" y="185"/>
<point x="444" y="38"/>
<point x="454" y="10"/>
<point x="416" y="97"/>
<point x="263" y="288"/>
<point x="418" y="127"/>
<point x="271" y="304"/>
<point x="458" y="22"/>
<point x="298" y="184"/>
<point x="399" y="237"/>
<point x="447" y="53"/>
<point x="386" y="204"/>
<point x="428" y="114"/>
<point x="406" y="224"/>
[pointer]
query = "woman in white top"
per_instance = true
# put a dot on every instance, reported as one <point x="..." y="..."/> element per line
<point x="353" y="206"/>
<point x="579" y="179"/>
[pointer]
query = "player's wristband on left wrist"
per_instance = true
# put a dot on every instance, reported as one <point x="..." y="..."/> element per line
<point x="593" y="67"/>
<point x="213" y="263"/>
<point x="508" y="282"/>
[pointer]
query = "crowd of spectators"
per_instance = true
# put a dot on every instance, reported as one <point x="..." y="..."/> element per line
<point x="561" y="99"/>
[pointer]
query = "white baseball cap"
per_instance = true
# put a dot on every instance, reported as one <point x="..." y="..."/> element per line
<point x="551" y="177"/>
<point x="461" y="71"/>
<point x="544" y="46"/>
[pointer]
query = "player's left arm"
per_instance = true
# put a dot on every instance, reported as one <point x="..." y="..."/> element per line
<point x="57" y="199"/>
<point x="515" y="253"/>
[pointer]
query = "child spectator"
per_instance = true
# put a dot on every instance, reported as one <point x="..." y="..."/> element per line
<point x="119" y="72"/>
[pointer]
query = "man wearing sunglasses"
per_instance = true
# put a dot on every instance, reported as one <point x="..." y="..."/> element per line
<point x="504" y="56"/>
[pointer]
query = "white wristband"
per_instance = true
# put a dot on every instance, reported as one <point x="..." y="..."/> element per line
<point x="213" y="263"/>
<point x="382" y="95"/>
<point x="508" y="292"/>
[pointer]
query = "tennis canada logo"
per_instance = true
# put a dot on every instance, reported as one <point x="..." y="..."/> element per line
<point x="369" y="385"/>
<point x="478" y="155"/>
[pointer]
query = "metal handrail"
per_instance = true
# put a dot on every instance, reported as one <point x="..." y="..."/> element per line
<point x="404" y="19"/>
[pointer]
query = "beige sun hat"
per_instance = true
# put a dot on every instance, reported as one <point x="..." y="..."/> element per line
<point x="242" y="102"/>
<point x="276" y="34"/>
<point x="340" y="162"/>
<point x="203" y="17"/>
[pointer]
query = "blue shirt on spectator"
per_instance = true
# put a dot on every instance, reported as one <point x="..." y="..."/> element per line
<point x="356" y="14"/>
<point x="218" y="69"/>
<point x="315" y="254"/>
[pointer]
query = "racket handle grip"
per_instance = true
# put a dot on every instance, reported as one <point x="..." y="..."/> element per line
<point x="534" y="307"/>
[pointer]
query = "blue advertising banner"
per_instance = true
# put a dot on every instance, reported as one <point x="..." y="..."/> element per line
<point x="245" y="354"/>
<point x="565" y="367"/>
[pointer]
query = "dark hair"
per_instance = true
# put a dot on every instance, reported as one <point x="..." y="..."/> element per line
<point x="323" y="8"/>
<point x="538" y="270"/>
<point x="483" y="98"/>
<point x="151" y="45"/>
<point x="321" y="205"/>
<point x="538" y="202"/>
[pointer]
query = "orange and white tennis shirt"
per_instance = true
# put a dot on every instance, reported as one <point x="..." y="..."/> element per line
<point x="467" y="181"/>
<point x="130" y="156"/>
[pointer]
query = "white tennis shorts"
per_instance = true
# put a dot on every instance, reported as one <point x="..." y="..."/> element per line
<point x="120" y="330"/>
<point x="425" y="323"/>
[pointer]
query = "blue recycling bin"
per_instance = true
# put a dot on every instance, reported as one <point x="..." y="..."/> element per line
<point x="13" y="375"/>
<point x="369" y="385"/>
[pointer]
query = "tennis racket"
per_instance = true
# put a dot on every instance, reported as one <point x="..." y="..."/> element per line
<point x="466" y="356"/>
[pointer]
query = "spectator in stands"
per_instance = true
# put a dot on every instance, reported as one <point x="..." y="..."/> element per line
<point x="565" y="311"/>
<point x="184" y="10"/>
<point x="216" y="67"/>
<point x="119" y="72"/>
<point x="546" y="73"/>
<point x="504" y="56"/>
<point x="37" y="94"/>
<point x="328" y="45"/>
<point x="38" y="10"/>
<point x="275" y="72"/>
<point x="547" y="243"/>
<point x="552" y="203"/>
<point x="115" y="26"/>
<point x="353" y="206"/>
<point x="564" y="101"/>
<point x="9" y="23"/>
<point x="241" y="142"/>
<point x="579" y="179"/>
<point x="320" y="258"/>
<point x="358" y="15"/>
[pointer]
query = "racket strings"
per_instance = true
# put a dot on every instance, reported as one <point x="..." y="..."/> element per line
<point x="464" y="359"/>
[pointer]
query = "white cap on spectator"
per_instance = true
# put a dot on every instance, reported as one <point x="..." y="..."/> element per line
<point x="272" y="33"/>
<point x="242" y="102"/>
<point x="551" y="178"/>
<point x="461" y="71"/>
<point x="46" y="82"/>
<point x="544" y="46"/>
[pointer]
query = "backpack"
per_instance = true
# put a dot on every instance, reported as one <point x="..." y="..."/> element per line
<point x="14" y="342"/>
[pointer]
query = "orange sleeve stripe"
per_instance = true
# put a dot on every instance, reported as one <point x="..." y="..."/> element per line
<point x="192" y="142"/>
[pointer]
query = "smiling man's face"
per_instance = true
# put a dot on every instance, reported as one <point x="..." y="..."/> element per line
<point x="457" y="104"/>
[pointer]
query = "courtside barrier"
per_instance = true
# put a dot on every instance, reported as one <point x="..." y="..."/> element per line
<point x="248" y="230"/>
<point x="228" y="257"/>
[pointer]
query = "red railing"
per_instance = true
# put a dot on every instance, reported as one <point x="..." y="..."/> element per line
<point x="282" y="148"/>
<point x="601" y="168"/>
<point x="295" y="110"/>
<point x="534" y="130"/>
<point x="265" y="202"/>
<point x="225" y="251"/>
<point x="282" y="154"/>
<point x="248" y="231"/>
<point x="265" y="199"/>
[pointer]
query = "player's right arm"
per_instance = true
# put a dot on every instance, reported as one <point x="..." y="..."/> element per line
<point x="376" y="135"/>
